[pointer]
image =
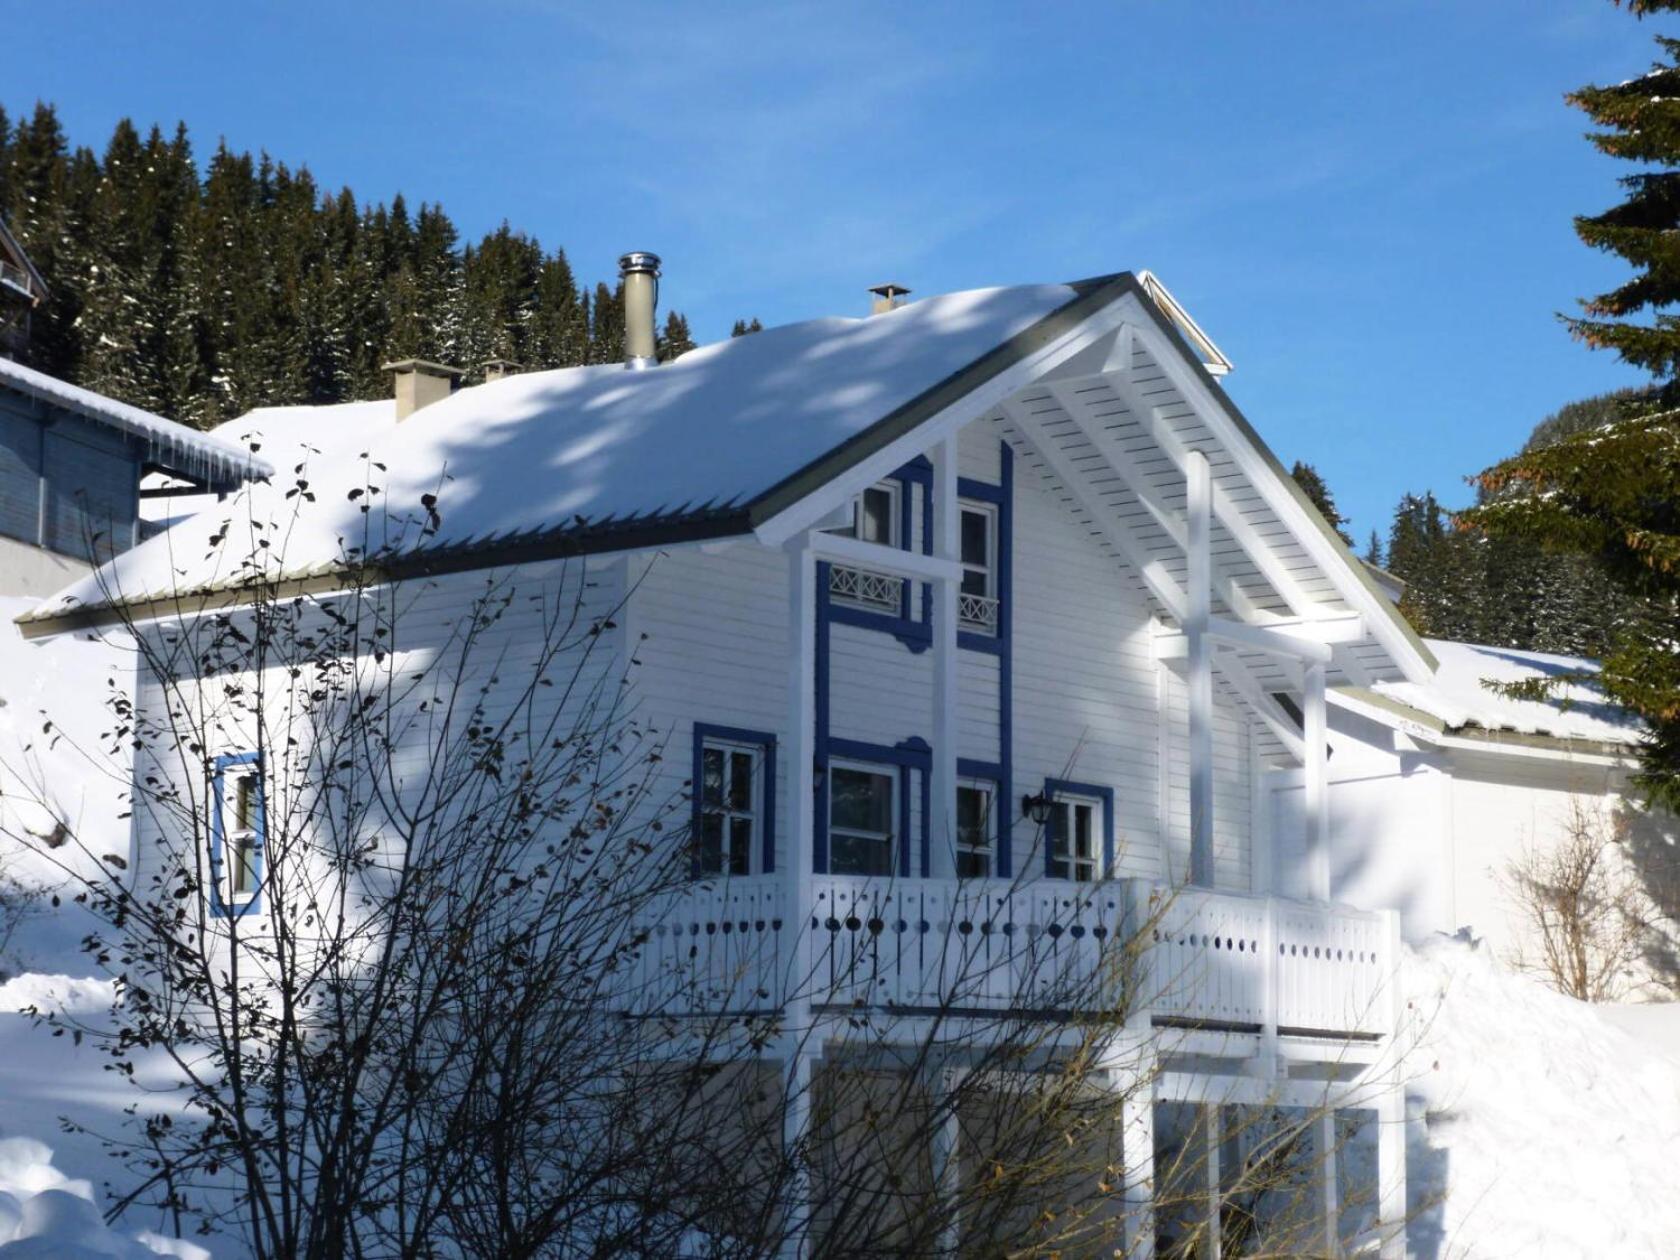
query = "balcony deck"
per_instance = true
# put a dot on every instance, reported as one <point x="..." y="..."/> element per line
<point x="1185" y="957"/>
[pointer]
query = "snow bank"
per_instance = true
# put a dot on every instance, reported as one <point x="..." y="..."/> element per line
<point x="44" y="1213"/>
<point x="1547" y="1131"/>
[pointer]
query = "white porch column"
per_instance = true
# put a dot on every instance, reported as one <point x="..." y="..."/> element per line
<point x="1391" y="1109"/>
<point x="1328" y="1163"/>
<point x="1199" y="678"/>
<point x="947" y="1157"/>
<point x="1317" y="781"/>
<point x="1213" y="1139"/>
<point x="1137" y="1151"/>
<point x="947" y="545"/>
<point x="797" y="880"/>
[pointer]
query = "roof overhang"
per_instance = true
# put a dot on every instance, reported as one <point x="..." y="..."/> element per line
<point x="1425" y="728"/>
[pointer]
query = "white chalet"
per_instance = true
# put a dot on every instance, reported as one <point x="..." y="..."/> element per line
<point x="994" y="615"/>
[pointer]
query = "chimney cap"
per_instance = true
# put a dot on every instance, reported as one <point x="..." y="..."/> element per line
<point x="889" y="291"/>
<point x="497" y="361"/>
<point x="638" y="260"/>
<point x="425" y="367"/>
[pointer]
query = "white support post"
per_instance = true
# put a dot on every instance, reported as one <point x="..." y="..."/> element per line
<point x="1391" y="1110"/>
<point x="1317" y="781"/>
<point x="1199" y="679"/>
<point x="1137" y="1151"/>
<point x="947" y="546"/>
<point x="797" y="968"/>
<point x="796" y="1123"/>
<point x="947" y="1159"/>
<point x="1328" y="1163"/>
<point x="1213" y="1139"/>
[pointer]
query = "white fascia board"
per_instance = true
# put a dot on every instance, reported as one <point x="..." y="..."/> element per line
<point x="1429" y="732"/>
<point x="1215" y="413"/>
<point x="806" y="513"/>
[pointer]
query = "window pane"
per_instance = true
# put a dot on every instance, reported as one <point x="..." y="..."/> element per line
<point x="973" y="864"/>
<point x="741" y="781"/>
<point x="244" y="806"/>
<point x="711" y="776"/>
<point x="973" y="808"/>
<point x="860" y="800"/>
<point x="860" y="855"/>
<point x="875" y="515"/>
<point x="244" y="867"/>
<point x="740" y="846"/>
<point x="711" y="844"/>
<point x="1082" y="833"/>
<point x="976" y="539"/>
<point x="974" y="583"/>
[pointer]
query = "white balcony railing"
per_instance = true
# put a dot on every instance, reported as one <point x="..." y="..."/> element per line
<point x="866" y="588"/>
<point x="1181" y="956"/>
<point x="977" y="612"/>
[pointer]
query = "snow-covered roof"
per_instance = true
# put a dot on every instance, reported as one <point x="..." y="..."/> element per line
<point x="593" y="451"/>
<point x="213" y="460"/>
<point x="1458" y="700"/>
<point x="282" y="435"/>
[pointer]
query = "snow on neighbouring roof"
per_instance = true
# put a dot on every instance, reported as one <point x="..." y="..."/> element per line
<point x="283" y="435"/>
<point x="549" y="451"/>
<point x="1457" y="697"/>
<point x="175" y="446"/>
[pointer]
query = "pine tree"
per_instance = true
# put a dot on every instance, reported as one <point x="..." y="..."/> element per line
<point x="674" y="338"/>
<point x="743" y="327"/>
<point x="1306" y="476"/>
<point x="1374" y="550"/>
<point x="1611" y="492"/>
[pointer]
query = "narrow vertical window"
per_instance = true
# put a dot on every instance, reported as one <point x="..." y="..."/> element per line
<point x="863" y="806"/>
<point x="875" y="519"/>
<point x="238" y="832"/>
<point x="977" y="602"/>
<point x="731" y="814"/>
<point x="1075" y="839"/>
<point x="974" y="830"/>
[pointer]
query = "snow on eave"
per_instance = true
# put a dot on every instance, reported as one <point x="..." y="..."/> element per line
<point x="173" y="447"/>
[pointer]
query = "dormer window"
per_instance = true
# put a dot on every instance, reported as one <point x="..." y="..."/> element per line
<point x="876" y="517"/>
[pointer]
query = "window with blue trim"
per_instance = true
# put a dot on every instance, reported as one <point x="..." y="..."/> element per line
<point x="977" y="601"/>
<point x="239" y="827"/>
<point x="1079" y="837"/>
<point x="734" y="801"/>
<point x="976" y="852"/>
<point x="863" y="812"/>
<point x="877" y="517"/>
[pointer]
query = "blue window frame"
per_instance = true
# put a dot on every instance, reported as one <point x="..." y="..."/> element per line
<point x="1073" y="849"/>
<point x="982" y="824"/>
<point x="734" y="820"/>
<point x="879" y="601"/>
<point x="238" y="834"/>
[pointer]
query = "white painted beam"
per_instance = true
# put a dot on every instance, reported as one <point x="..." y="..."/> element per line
<point x="1199" y="684"/>
<point x="895" y="560"/>
<point x="1317" y="782"/>
<point x="947" y="548"/>
<point x="1155" y="575"/>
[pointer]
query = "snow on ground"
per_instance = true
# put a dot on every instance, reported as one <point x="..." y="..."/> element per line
<point x="1551" y="1130"/>
<point x="67" y="773"/>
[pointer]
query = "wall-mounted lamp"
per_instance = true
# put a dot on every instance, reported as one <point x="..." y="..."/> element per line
<point x="1036" y="808"/>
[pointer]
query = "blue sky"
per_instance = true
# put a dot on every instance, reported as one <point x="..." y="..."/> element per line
<point x="1368" y="206"/>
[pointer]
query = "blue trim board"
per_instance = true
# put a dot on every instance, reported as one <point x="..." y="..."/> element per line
<point x="1001" y="644"/>
<point x="766" y="786"/>
<point x="819" y="798"/>
<point x="1067" y="787"/>
<point x="218" y="834"/>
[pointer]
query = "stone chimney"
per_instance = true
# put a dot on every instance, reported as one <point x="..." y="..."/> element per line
<point x="496" y="369"/>
<point x="638" y="271"/>
<point x="887" y="297"/>
<point x="420" y="384"/>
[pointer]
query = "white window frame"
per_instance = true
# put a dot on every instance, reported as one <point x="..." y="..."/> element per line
<point x="988" y="847"/>
<point x="1080" y="870"/>
<point x="978" y="613"/>
<point x="238" y="850"/>
<point x="754" y="814"/>
<point x="894" y="812"/>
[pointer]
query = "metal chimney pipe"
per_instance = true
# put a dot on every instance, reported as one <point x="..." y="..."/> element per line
<point x="638" y="271"/>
